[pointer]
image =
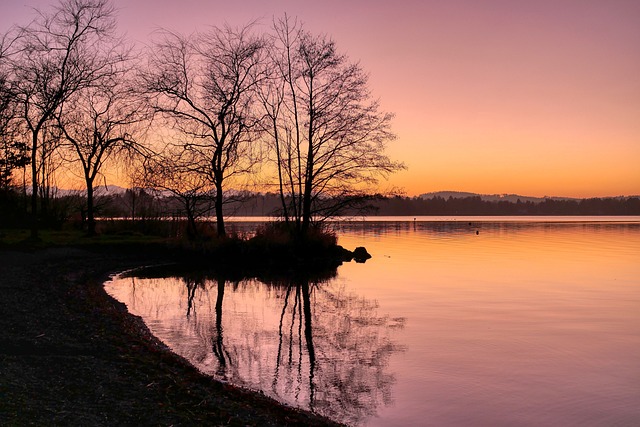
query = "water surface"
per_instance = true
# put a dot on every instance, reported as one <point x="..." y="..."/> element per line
<point x="466" y="322"/>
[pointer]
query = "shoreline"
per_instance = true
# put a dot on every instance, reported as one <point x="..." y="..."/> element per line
<point x="71" y="354"/>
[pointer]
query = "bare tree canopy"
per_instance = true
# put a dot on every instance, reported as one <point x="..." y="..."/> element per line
<point x="204" y="87"/>
<point x="327" y="134"/>
<point x="57" y="58"/>
<point x="171" y="172"/>
<point x="102" y="120"/>
<point x="217" y="100"/>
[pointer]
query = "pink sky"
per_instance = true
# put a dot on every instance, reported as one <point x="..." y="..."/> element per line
<point x="536" y="98"/>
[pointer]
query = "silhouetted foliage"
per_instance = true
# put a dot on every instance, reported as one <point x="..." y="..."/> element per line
<point x="13" y="151"/>
<point x="11" y="211"/>
<point x="13" y="155"/>
<point x="146" y="205"/>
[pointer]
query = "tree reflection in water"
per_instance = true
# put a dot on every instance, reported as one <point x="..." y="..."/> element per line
<point x="347" y="345"/>
<point x="302" y="339"/>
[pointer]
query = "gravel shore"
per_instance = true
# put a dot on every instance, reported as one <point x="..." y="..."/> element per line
<point x="72" y="355"/>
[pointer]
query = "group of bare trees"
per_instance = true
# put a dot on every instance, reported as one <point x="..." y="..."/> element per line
<point x="206" y="114"/>
<point x="204" y="87"/>
<point x="327" y="135"/>
<point x="66" y="78"/>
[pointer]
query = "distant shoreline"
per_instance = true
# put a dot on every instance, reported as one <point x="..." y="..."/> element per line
<point x="261" y="219"/>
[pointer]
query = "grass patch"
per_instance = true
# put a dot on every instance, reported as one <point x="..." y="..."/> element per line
<point x="21" y="239"/>
<point x="273" y="245"/>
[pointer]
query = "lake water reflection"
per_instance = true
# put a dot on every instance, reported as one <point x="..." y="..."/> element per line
<point x="450" y="323"/>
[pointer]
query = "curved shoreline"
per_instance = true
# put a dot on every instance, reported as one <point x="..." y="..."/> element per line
<point x="71" y="354"/>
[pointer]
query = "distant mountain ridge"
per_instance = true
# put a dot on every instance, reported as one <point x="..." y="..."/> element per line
<point x="513" y="198"/>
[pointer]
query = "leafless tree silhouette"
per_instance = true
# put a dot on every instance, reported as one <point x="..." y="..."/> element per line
<point x="103" y="120"/>
<point x="57" y="59"/>
<point x="327" y="134"/>
<point x="171" y="172"/>
<point x="219" y="98"/>
<point x="49" y="162"/>
<point x="204" y="86"/>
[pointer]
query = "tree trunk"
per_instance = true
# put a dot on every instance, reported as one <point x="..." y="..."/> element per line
<point x="219" y="214"/>
<point x="192" y="231"/>
<point x="133" y="204"/>
<point x="91" y="222"/>
<point x="34" y="187"/>
<point x="308" y="170"/>
<point x="285" y="210"/>
<point x="308" y="187"/>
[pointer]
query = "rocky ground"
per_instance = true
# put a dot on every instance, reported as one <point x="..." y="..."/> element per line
<point x="72" y="355"/>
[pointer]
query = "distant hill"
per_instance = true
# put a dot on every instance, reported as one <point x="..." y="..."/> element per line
<point x="513" y="198"/>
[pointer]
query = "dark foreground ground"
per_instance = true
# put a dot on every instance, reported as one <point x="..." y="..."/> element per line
<point x="71" y="355"/>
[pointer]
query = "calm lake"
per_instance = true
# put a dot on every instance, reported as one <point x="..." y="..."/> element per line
<point x="466" y="321"/>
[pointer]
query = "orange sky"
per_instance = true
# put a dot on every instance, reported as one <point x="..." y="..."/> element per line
<point x="535" y="98"/>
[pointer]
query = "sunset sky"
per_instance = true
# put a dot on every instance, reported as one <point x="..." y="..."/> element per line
<point x="529" y="97"/>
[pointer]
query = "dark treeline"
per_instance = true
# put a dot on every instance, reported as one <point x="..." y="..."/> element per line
<point x="267" y="204"/>
<point x="141" y="204"/>
<point x="477" y="206"/>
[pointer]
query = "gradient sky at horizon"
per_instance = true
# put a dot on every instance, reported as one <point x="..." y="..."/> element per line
<point x="498" y="96"/>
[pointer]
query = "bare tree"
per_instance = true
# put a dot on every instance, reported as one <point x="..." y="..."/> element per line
<point x="171" y="172"/>
<point x="49" y="162"/>
<point x="12" y="149"/>
<point x="57" y="59"/>
<point x="204" y="86"/>
<point x="101" y="121"/>
<point x="328" y="135"/>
